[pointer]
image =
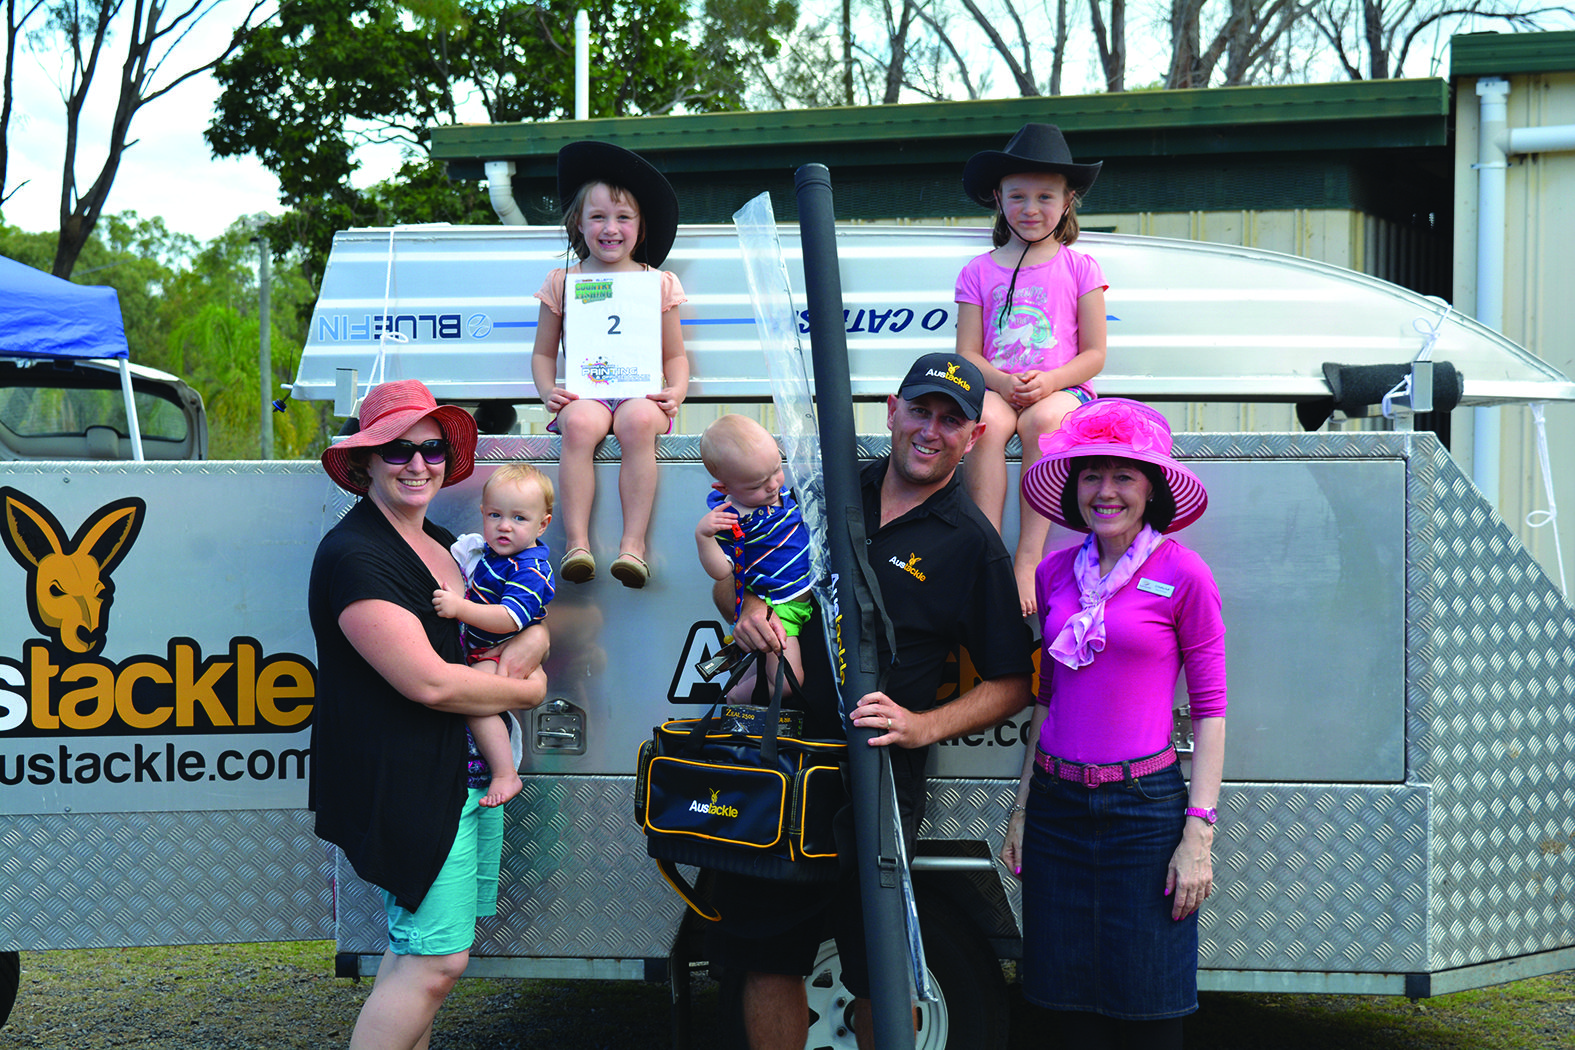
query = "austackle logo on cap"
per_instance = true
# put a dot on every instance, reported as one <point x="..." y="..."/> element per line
<point x="950" y="375"/>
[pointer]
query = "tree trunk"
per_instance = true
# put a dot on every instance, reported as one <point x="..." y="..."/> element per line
<point x="1184" y="45"/>
<point x="1022" y="72"/>
<point x="1060" y="47"/>
<point x="847" y="52"/>
<point x="898" y="37"/>
<point x="1112" y="43"/>
<point x="79" y="214"/>
<point x="13" y="29"/>
<point x="1373" y="33"/>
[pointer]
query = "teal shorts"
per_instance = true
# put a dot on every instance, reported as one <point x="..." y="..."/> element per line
<point x="793" y="614"/>
<point x="466" y="888"/>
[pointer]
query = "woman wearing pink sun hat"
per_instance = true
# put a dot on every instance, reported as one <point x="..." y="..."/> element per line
<point x="1113" y="847"/>
<point x="391" y="783"/>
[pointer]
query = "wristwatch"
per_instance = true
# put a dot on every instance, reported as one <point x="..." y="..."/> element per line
<point x="1210" y="816"/>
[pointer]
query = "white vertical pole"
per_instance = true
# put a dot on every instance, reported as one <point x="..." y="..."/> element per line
<point x="265" y="342"/>
<point x="1492" y="162"/>
<point x="133" y="425"/>
<point x="582" y="65"/>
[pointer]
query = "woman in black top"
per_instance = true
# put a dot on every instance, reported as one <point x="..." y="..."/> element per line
<point x="389" y="752"/>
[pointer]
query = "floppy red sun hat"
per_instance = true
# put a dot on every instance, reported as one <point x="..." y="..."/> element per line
<point x="387" y="412"/>
<point x="1110" y="427"/>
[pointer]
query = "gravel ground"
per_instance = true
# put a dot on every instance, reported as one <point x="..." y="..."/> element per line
<point x="272" y="996"/>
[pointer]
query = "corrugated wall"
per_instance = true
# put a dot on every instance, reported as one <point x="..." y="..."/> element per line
<point x="1539" y="298"/>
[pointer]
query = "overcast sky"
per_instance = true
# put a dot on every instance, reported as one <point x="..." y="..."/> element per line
<point x="170" y="172"/>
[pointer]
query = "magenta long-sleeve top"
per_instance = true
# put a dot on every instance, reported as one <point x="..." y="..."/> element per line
<point x="1165" y="619"/>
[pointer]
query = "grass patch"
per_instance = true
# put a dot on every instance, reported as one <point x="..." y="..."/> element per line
<point x="272" y="996"/>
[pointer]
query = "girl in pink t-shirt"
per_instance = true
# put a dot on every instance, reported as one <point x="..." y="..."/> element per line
<point x="1031" y="315"/>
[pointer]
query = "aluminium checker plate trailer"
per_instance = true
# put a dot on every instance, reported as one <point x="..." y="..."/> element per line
<point x="1399" y="808"/>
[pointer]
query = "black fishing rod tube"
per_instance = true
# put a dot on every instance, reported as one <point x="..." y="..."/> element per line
<point x="879" y="885"/>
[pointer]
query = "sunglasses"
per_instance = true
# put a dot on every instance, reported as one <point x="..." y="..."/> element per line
<point x="399" y="451"/>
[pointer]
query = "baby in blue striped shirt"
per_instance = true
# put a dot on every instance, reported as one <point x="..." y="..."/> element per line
<point x="753" y="531"/>
<point x="508" y="583"/>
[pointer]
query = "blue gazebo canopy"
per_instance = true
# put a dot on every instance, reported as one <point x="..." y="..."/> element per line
<point x="43" y="316"/>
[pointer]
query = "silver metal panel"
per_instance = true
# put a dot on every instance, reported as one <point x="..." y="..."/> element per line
<point x="1188" y="320"/>
<point x="208" y="598"/>
<point x="1467" y="860"/>
<point x="1491" y="712"/>
<point x="1472" y="858"/>
<point x="153" y="859"/>
<point x="1309" y="556"/>
<point x="1490" y="708"/>
<point x="1315" y="877"/>
<point x="576" y="882"/>
<point x="1308" y="553"/>
<point x="120" y="879"/>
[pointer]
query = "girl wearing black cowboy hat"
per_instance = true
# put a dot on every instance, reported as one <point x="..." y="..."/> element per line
<point x="1030" y="314"/>
<point x="620" y="215"/>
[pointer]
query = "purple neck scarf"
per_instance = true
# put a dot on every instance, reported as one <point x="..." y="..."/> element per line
<point x="1084" y="633"/>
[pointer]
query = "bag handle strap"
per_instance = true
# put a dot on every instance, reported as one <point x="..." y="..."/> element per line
<point x="696" y="736"/>
<point x="686" y="889"/>
<point x="768" y="739"/>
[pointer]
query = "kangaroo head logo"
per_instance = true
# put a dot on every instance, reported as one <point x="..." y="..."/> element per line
<point x="68" y="584"/>
<point x="913" y="562"/>
<point x="714" y="792"/>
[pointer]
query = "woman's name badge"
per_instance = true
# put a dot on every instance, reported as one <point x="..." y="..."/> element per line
<point x="612" y="334"/>
<point x="1164" y="590"/>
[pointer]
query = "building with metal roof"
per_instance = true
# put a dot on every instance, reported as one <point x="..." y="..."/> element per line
<point x="1381" y="177"/>
<point x="1379" y="149"/>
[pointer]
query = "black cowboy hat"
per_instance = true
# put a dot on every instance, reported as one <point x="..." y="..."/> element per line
<point x="1035" y="147"/>
<point x="582" y="162"/>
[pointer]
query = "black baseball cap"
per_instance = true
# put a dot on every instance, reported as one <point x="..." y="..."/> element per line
<point x="950" y="374"/>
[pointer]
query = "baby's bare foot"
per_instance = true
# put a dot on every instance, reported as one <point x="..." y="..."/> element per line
<point x="504" y="786"/>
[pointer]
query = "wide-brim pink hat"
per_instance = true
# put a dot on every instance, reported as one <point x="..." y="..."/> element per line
<point x="1110" y="427"/>
<point x="387" y="412"/>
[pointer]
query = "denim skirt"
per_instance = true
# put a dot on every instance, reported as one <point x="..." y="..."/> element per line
<point x="1097" y="931"/>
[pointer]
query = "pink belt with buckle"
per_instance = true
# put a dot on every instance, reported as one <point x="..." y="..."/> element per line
<point x="1114" y="772"/>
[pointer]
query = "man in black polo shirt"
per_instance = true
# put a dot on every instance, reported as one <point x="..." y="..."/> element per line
<point x="946" y="581"/>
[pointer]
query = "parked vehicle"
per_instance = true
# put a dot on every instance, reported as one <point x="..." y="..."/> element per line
<point x="68" y="389"/>
<point x="1397" y="810"/>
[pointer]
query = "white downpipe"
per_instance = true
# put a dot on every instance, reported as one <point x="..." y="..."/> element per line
<point x="1492" y="162"/>
<point x="1556" y="138"/>
<point x="1496" y="143"/>
<point x="500" y="187"/>
<point x="582" y="65"/>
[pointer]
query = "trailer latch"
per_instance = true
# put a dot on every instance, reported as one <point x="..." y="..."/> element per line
<point x="559" y="728"/>
<point x="1181" y="730"/>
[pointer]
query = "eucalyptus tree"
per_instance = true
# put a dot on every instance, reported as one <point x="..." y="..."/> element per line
<point x="149" y="46"/>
